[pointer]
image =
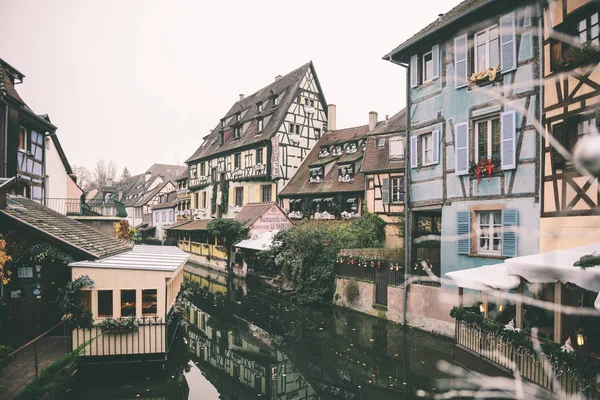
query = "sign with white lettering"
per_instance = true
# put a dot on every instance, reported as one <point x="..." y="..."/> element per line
<point x="275" y="157"/>
<point x="25" y="272"/>
<point x="272" y="220"/>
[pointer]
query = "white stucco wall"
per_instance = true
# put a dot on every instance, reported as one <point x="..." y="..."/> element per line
<point x="57" y="180"/>
<point x="161" y="218"/>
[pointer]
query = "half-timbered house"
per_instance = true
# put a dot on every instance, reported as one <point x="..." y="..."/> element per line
<point x="256" y="148"/>
<point x="184" y="197"/>
<point x="474" y="152"/>
<point x="328" y="184"/>
<point x="383" y="169"/>
<point x="571" y="112"/>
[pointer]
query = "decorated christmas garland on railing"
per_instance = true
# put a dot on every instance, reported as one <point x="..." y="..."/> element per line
<point x="367" y="261"/>
<point x="579" y="364"/>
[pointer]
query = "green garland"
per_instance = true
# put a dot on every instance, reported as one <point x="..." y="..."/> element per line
<point x="119" y="325"/>
<point x="70" y="302"/>
<point x="224" y="195"/>
<point x="589" y="260"/>
<point x="578" y="361"/>
<point x="363" y="261"/>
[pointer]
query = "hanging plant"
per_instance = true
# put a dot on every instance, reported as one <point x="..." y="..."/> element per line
<point x="45" y="254"/>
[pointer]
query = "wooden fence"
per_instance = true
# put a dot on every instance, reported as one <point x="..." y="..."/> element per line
<point x="498" y="351"/>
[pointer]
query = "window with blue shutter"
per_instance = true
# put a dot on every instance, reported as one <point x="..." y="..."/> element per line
<point x="508" y="43"/>
<point x="460" y="61"/>
<point x="508" y="140"/>
<point x="414" y="71"/>
<point x="435" y="56"/>
<point x="435" y="138"/>
<point x="463" y="232"/>
<point x="414" y="163"/>
<point x="461" y="146"/>
<point x="385" y="190"/>
<point x="510" y="224"/>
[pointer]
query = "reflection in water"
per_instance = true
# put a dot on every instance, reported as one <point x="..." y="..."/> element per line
<point x="242" y="344"/>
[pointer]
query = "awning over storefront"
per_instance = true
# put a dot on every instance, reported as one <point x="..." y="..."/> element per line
<point x="484" y="278"/>
<point x="259" y="242"/>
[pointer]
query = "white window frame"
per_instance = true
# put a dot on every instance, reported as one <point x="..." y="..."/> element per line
<point x="489" y="136"/>
<point x="493" y="228"/>
<point x="260" y="124"/>
<point x="487" y="46"/>
<point x="424" y="149"/>
<point x="395" y="183"/>
<point x="259" y="107"/>
<point x="424" y="69"/>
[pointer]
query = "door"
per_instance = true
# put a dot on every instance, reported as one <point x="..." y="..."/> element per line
<point x="381" y="285"/>
<point x="427" y="226"/>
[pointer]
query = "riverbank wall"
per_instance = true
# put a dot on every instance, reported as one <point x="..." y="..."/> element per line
<point x="428" y="308"/>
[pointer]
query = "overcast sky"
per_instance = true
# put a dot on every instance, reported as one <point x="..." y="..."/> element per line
<point x="141" y="82"/>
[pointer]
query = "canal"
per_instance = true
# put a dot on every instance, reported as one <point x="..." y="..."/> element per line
<point x="242" y="344"/>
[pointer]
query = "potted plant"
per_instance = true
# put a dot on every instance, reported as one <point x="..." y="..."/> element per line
<point x="119" y="325"/>
<point x="485" y="167"/>
<point x="486" y="76"/>
<point x="579" y="56"/>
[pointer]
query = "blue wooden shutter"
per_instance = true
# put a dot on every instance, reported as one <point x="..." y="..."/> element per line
<point x="461" y="146"/>
<point x="507" y="140"/>
<point x="508" y="43"/>
<point x="414" y="152"/>
<point x="510" y="223"/>
<point x="460" y="61"/>
<point x="463" y="232"/>
<point x="385" y="191"/>
<point x="414" y="71"/>
<point x="435" y="142"/>
<point x="435" y="57"/>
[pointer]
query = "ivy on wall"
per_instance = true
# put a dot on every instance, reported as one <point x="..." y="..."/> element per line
<point x="213" y="200"/>
<point x="224" y="195"/>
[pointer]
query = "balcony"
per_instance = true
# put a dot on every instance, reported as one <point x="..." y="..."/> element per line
<point x="91" y="208"/>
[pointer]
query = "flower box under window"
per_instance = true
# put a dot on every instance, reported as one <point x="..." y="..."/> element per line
<point x="485" y="76"/>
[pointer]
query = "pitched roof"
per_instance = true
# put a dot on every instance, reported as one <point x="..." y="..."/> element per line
<point x="183" y="176"/>
<point x="285" y="87"/>
<point x="168" y="171"/>
<point x="170" y="203"/>
<point x="194" y="225"/>
<point x="59" y="227"/>
<point x="377" y="158"/>
<point x="300" y="182"/>
<point x="253" y="211"/>
<point x="177" y="224"/>
<point x="462" y="9"/>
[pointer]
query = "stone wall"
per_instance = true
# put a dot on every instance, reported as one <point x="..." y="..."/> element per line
<point x="428" y="308"/>
<point x="101" y="224"/>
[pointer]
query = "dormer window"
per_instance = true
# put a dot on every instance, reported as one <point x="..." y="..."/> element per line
<point x="222" y="136"/>
<point x="238" y="117"/>
<point x="222" y="123"/>
<point x="337" y="150"/>
<point x="260" y="125"/>
<point x="316" y="174"/>
<point x="352" y="148"/>
<point x="345" y="173"/>
<point x="237" y="132"/>
<point x="396" y="148"/>
<point x="324" y="152"/>
<point x="259" y="107"/>
<point x="275" y="100"/>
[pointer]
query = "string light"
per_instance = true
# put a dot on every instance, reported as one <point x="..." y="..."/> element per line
<point x="580" y="339"/>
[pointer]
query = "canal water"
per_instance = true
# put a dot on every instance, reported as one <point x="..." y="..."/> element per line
<point x="242" y="344"/>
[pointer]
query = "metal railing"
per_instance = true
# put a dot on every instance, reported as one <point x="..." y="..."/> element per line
<point x="389" y="271"/>
<point x="89" y="208"/>
<point x="24" y="364"/>
<point x="498" y="351"/>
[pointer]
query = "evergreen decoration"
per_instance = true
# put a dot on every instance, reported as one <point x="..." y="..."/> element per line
<point x="582" y="364"/>
<point x="589" y="260"/>
<point x="45" y="254"/>
<point x="119" y="325"/>
<point x="69" y="299"/>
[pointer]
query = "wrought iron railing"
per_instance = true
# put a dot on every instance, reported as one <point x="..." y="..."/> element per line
<point x="389" y="271"/>
<point x="501" y="352"/>
<point x="87" y="208"/>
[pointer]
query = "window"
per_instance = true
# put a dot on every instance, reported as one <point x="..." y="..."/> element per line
<point x="346" y="170"/>
<point x="275" y="101"/>
<point x="22" y="138"/>
<point x="397" y="189"/>
<point x="86" y="299"/>
<point x="317" y="133"/>
<point x="222" y="123"/>
<point x="237" y="161"/>
<point x="587" y="30"/>
<point x="204" y="200"/>
<point x="427" y="149"/>
<point x="370" y="183"/>
<point x="427" y="67"/>
<point x="316" y="174"/>
<point x="193" y="172"/>
<point x="260" y="125"/>
<point x="149" y="302"/>
<point x="259" y="107"/>
<point x="164" y="215"/>
<point x="249" y="159"/>
<point x="239" y="196"/>
<point x="292" y="126"/>
<point x="396" y="147"/>
<point x="105" y="303"/>
<point x="267" y="193"/>
<point x="488" y="139"/>
<point x="238" y="117"/>
<point x="128" y="303"/>
<point x="259" y="156"/>
<point x="380" y="142"/>
<point x="489" y="232"/>
<point x="237" y="132"/>
<point x="487" y="48"/>
<point x="171" y="216"/>
<point x="202" y="169"/>
<point x="222" y="134"/>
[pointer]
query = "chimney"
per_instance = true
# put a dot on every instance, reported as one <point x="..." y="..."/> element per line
<point x="440" y="16"/>
<point x="147" y="176"/>
<point x="387" y="117"/>
<point x="109" y="182"/>
<point x="372" y="120"/>
<point x="241" y="96"/>
<point x="278" y="77"/>
<point x="331" y="117"/>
